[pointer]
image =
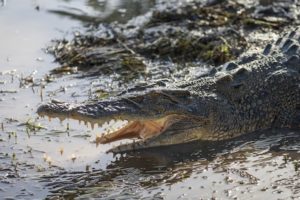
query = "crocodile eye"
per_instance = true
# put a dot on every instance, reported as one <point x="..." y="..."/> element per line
<point x="224" y="79"/>
<point x="241" y="73"/>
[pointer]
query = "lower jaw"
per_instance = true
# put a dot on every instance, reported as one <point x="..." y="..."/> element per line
<point x="160" y="141"/>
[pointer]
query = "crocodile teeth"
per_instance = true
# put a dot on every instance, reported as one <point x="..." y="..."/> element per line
<point x="142" y="129"/>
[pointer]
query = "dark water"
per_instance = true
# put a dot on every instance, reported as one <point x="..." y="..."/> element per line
<point x="38" y="162"/>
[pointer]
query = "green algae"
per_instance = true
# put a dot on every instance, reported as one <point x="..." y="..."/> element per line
<point x="32" y="125"/>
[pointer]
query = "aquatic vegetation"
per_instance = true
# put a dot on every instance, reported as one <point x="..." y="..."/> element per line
<point x="32" y="125"/>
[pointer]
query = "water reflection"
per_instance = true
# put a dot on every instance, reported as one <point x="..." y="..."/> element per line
<point x="217" y="168"/>
<point x="96" y="11"/>
<point x="2" y="3"/>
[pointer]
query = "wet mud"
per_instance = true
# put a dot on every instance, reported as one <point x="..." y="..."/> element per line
<point x="213" y="32"/>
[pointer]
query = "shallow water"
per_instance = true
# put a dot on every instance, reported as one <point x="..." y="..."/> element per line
<point x="38" y="157"/>
<point x="27" y="29"/>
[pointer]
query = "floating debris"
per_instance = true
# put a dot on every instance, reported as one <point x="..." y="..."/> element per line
<point x="73" y="157"/>
<point x="32" y="125"/>
<point x="8" y="91"/>
<point x="39" y="58"/>
<point x="64" y="70"/>
<point x="61" y="150"/>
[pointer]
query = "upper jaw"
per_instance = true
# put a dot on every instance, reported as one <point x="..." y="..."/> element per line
<point x="55" y="108"/>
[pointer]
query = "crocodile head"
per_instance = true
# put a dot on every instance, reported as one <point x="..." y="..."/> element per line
<point x="155" y="118"/>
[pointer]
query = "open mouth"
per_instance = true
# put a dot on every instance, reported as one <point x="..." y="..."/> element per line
<point x="142" y="132"/>
<point x="145" y="132"/>
<point x="140" y="129"/>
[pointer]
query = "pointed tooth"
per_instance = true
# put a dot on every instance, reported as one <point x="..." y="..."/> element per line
<point x="92" y="126"/>
<point x="49" y="118"/>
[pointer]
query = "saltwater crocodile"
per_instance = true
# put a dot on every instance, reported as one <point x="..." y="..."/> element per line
<point x="256" y="92"/>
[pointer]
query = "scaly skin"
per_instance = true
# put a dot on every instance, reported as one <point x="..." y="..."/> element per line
<point x="256" y="92"/>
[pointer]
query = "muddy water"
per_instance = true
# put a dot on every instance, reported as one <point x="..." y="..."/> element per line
<point x="40" y="158"/>
<point x="28" y="152"/>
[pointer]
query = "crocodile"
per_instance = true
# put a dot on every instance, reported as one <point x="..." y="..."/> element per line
<point x="258" y="91"/>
